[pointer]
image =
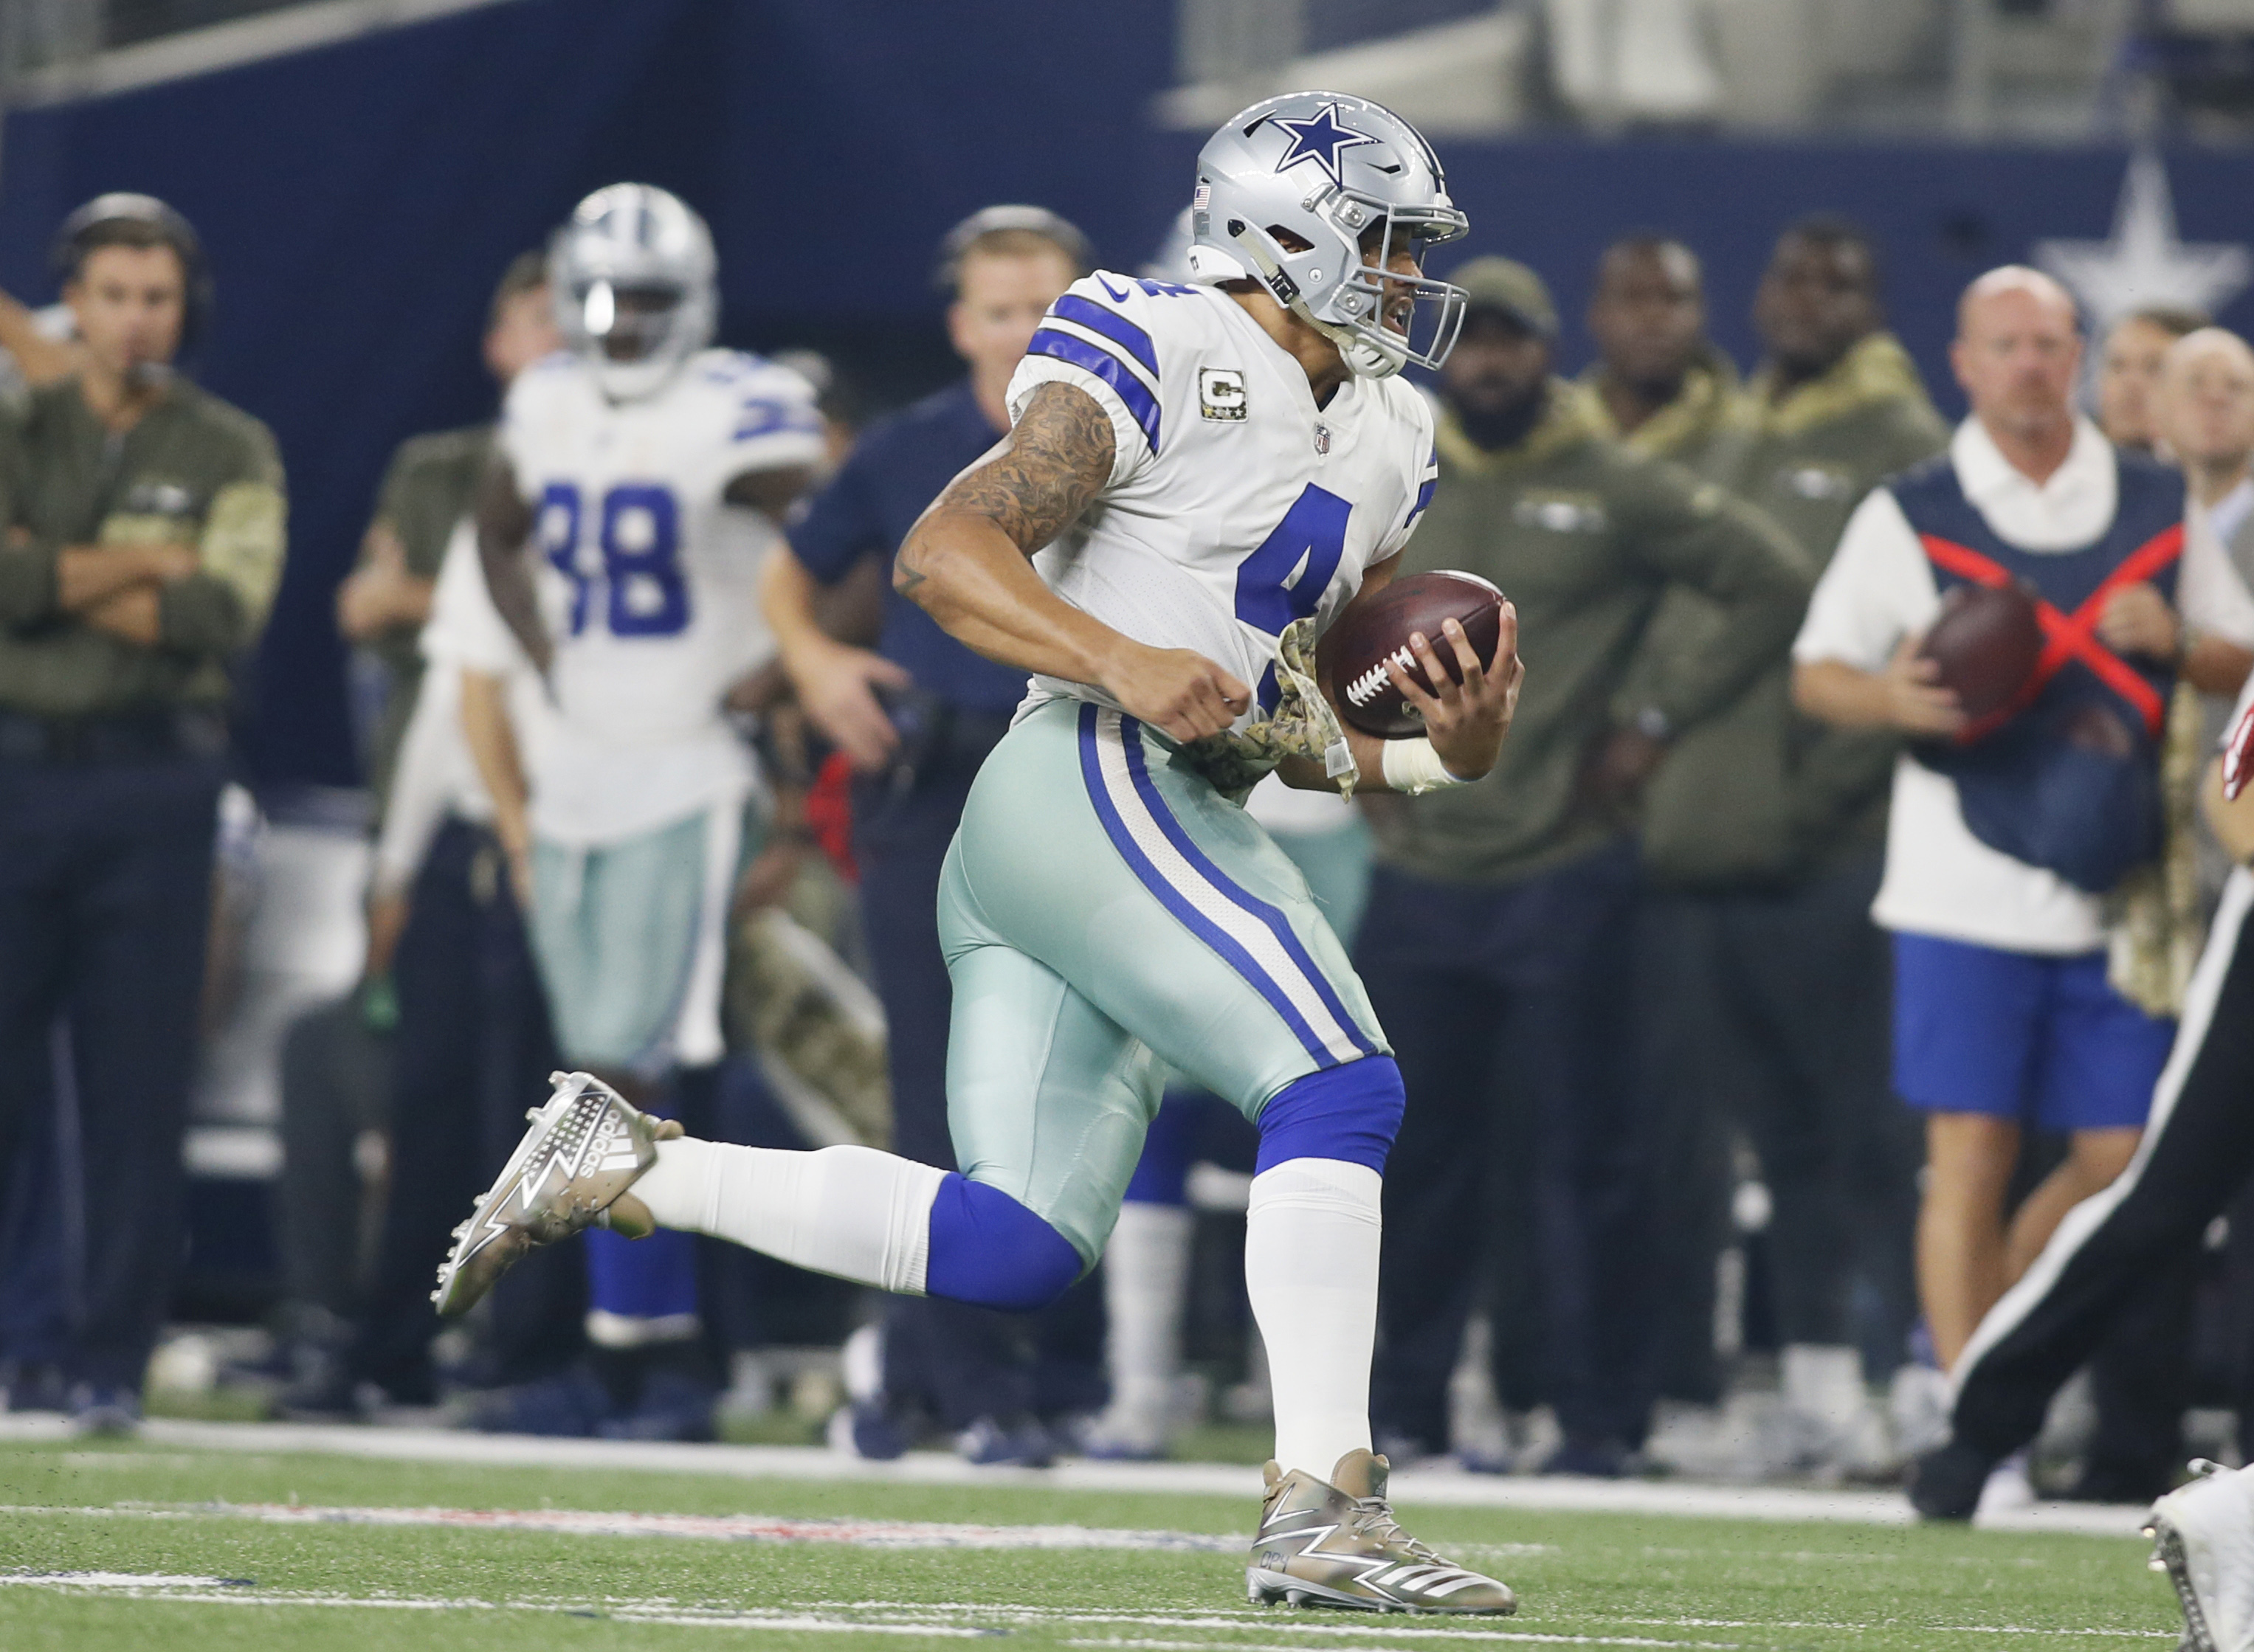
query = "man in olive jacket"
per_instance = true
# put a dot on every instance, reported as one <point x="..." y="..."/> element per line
<point x="1763" y="833"/>
<point x="1497" y="934"/>
<point x="1665" y="390"/>
<point x="139" y="556"/>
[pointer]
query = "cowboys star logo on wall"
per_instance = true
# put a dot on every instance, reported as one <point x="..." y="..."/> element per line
<point x="1319" y="138"/>
<point x="2142" y="262"/>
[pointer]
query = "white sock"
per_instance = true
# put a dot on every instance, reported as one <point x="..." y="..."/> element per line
<point x="1311" y="1238"/>
<point x="1145" y="1274"/>
<point x="853" y="1212"/>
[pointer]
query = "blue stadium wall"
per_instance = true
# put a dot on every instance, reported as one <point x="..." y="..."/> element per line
<point x="359" y="201"/>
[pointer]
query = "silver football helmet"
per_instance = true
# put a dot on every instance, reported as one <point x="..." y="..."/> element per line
<point x="1313" y="194"/>
<point x="636" y="286"/>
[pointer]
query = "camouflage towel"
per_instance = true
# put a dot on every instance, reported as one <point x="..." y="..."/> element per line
<point x="793" y="999"/>
<point x="1302" y="725"/>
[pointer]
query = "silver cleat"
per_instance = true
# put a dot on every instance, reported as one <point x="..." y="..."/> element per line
<point x="585" y="1147"/>
<point x="1337" y="1545"/>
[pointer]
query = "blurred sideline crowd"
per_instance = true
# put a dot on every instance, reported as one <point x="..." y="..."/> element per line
<point x="1705" y="1168"/>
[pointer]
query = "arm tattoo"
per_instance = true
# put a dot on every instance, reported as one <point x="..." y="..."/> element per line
<point x="1050" y="469"/>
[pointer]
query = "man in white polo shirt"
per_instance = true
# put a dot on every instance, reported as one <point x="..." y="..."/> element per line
<point x="2004" y="841"/>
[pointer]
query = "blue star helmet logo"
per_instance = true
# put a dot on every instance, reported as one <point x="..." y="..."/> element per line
<point x="1319" y="138"/>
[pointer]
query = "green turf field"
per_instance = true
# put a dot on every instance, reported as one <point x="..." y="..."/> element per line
<point x="187" y="1551"/>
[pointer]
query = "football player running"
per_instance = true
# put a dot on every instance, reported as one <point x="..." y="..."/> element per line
<point x="1198" y="480"/>
<point x="639" y="481"/>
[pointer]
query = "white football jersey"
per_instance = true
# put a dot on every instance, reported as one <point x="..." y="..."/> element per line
<point x="1236" y="505"/>
<point x="649" y="581"/>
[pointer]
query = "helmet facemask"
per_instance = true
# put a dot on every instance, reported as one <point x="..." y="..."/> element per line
<point x="1382" y="319"/>
<point x="634" y="333"/>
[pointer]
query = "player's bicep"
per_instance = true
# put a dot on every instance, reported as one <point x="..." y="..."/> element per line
<point x="1035" y="483"/>
<point x="1374" y="578"/>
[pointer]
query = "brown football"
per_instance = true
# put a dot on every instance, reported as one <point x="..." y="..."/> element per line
<point x="1352" y="654"/>
<point x="1986" y="640"/>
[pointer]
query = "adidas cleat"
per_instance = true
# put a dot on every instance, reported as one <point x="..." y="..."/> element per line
<point x="585" y="1147"/>
<point x="1337" y="1545"/>
<point x="2203" y="1536"/>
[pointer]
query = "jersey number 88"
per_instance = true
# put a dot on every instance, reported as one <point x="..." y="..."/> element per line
<point x="638" y="534"/>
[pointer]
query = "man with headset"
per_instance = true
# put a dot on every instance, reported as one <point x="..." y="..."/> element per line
<point x="141" y="541"/>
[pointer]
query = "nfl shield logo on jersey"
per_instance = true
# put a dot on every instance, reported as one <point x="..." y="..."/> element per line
<point x="1322" y="438"/>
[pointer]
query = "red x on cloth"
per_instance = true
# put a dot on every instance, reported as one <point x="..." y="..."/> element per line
<point x="2238" y="757"/>
<point x="2071" y="635"/>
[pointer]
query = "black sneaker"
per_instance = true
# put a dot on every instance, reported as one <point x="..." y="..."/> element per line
<point x="1945" y="1483"/>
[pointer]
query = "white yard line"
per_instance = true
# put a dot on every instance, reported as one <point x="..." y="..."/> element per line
<point x="1412" y="1488"/>
<point x="952" y="1621"/>
<point x="229" y="1592"/>
<point x="1125" y="1645"/>
<point x="586" y="1523"/>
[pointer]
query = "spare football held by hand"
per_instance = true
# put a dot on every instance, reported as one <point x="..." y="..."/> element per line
<point x="1353" y="653"/>
<point x="1985" y="641"/>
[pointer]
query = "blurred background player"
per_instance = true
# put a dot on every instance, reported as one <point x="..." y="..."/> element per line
<point x="2129" y="373"/>
<point x="2004" y="1014"/>
<point x="916" y="716"/>
<point x="143" y="546"/>
<point x="1762" y="834"/>
<point x="649" y="477"/>
<point x="1498" y="939"/>
<point x="448" y="1008"/>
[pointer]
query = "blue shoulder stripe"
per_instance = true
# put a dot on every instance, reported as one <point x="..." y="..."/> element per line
<point x="1141" y="404"/>
<point x="1111" y="324"/>
<point x="760" y="415"/>
<point x="1423" y="498"/>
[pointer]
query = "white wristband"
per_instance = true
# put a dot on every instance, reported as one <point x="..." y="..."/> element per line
<point x="1412" y="766"/>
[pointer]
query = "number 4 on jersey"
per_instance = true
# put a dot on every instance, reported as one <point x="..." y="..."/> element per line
<point x="1286" y="576"/>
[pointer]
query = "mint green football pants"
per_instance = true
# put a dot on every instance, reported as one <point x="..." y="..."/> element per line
<point x="1110" y="920"/>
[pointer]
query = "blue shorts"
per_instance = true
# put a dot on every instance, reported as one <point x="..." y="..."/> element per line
<point x="2042" y="1040"/>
